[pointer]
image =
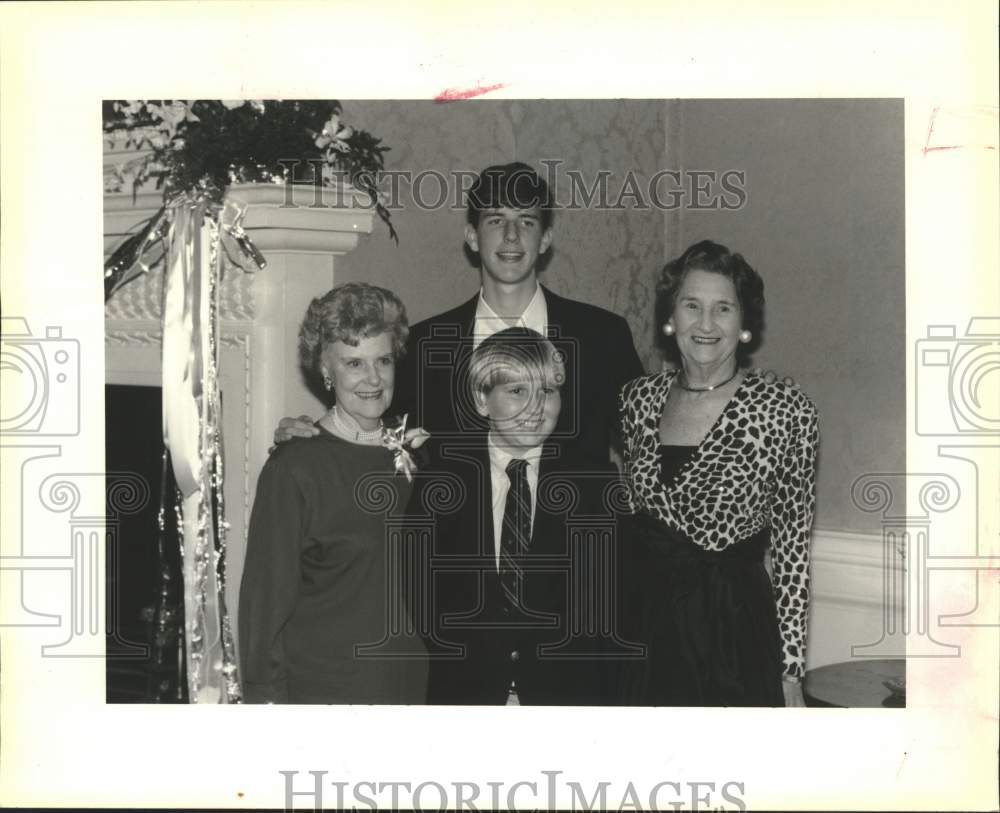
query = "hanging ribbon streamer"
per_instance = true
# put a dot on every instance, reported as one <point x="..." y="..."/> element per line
<point x="191" y="435"/>
<point x="238" y="246"/>
<point x="144" y="250"/>
<point x="192" y="237"/>
<point x="136" y="255"/>
<point x="165" y="611"/>
<point x="212" y="439"/>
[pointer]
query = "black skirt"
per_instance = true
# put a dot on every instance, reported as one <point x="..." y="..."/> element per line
<point x="707" y="619"/>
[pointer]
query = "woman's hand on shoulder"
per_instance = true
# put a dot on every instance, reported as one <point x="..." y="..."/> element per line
<point x="770" y="376"/>
<point x="300" y="427"/>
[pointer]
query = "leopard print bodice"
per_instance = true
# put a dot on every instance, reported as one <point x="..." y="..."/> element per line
<point x="755" y="468"/>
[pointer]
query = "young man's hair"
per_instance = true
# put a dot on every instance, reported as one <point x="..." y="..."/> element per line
<point x="513" y="354"/>
<point x="510" y="186"/>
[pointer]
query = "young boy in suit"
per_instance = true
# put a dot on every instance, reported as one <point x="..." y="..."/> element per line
<point x="517" y="577"/>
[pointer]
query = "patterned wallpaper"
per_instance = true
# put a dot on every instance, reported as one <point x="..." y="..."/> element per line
<point x="607" y="255"/>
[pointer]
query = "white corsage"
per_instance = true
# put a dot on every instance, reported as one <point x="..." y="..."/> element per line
<point x="401" y="442"/>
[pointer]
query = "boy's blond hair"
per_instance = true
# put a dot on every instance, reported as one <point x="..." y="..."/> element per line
<point x="510" y="355"/>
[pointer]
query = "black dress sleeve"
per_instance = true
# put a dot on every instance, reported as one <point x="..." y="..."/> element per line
<point x="271" y="580"/>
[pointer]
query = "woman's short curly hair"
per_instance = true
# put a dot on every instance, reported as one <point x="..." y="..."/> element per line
<point x="717" y="259"/>
<point x="349" y="313"/>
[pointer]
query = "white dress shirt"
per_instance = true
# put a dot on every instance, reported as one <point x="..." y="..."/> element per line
<point x="501" y="485"/>
<point x="535" y="316"/>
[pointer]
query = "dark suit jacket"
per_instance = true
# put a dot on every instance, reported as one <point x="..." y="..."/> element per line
<point x="564" y="649"/>
<point x="599" y="356"/>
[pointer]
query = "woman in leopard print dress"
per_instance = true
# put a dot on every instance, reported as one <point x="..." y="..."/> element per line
<point x="720" y="464"/>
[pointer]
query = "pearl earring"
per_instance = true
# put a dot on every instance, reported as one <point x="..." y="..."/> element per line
<point x="745" y="336"/>
<point x="327" y="382"/>
<point x="668" y="329"/>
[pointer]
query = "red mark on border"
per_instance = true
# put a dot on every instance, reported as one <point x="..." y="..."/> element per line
<point x="960" y="127"/>
<point x="457" y="95"/>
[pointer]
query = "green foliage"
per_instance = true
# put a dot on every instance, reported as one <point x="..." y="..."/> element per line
<point x="205" y="146"/>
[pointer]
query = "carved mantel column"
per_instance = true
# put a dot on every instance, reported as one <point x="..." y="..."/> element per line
<point x="301" y="230"/>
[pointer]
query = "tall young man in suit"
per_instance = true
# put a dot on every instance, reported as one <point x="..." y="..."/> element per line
<point x="509" y="227"/>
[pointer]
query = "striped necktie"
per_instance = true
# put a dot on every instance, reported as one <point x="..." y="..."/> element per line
<point x="515" y="534"/>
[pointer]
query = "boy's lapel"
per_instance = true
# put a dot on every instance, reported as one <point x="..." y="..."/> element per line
<point x="484" y="504"/>
<point x="548" y="528"/>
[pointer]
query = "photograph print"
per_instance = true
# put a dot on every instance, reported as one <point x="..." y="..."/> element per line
<point x="505" y="402"/>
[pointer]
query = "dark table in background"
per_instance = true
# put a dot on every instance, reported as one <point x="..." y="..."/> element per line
<point x="854" y="684"/>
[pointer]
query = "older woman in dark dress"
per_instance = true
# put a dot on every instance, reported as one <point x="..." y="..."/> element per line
<point x="320" y="620"/>
<point x="720" y="464"/>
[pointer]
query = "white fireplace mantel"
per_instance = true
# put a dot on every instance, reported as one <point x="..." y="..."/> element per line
<point x="300" y="230"/>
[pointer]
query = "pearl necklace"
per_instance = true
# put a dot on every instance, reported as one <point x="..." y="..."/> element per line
<point x="344" y="428"/>
<point x="705" y="389"/>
